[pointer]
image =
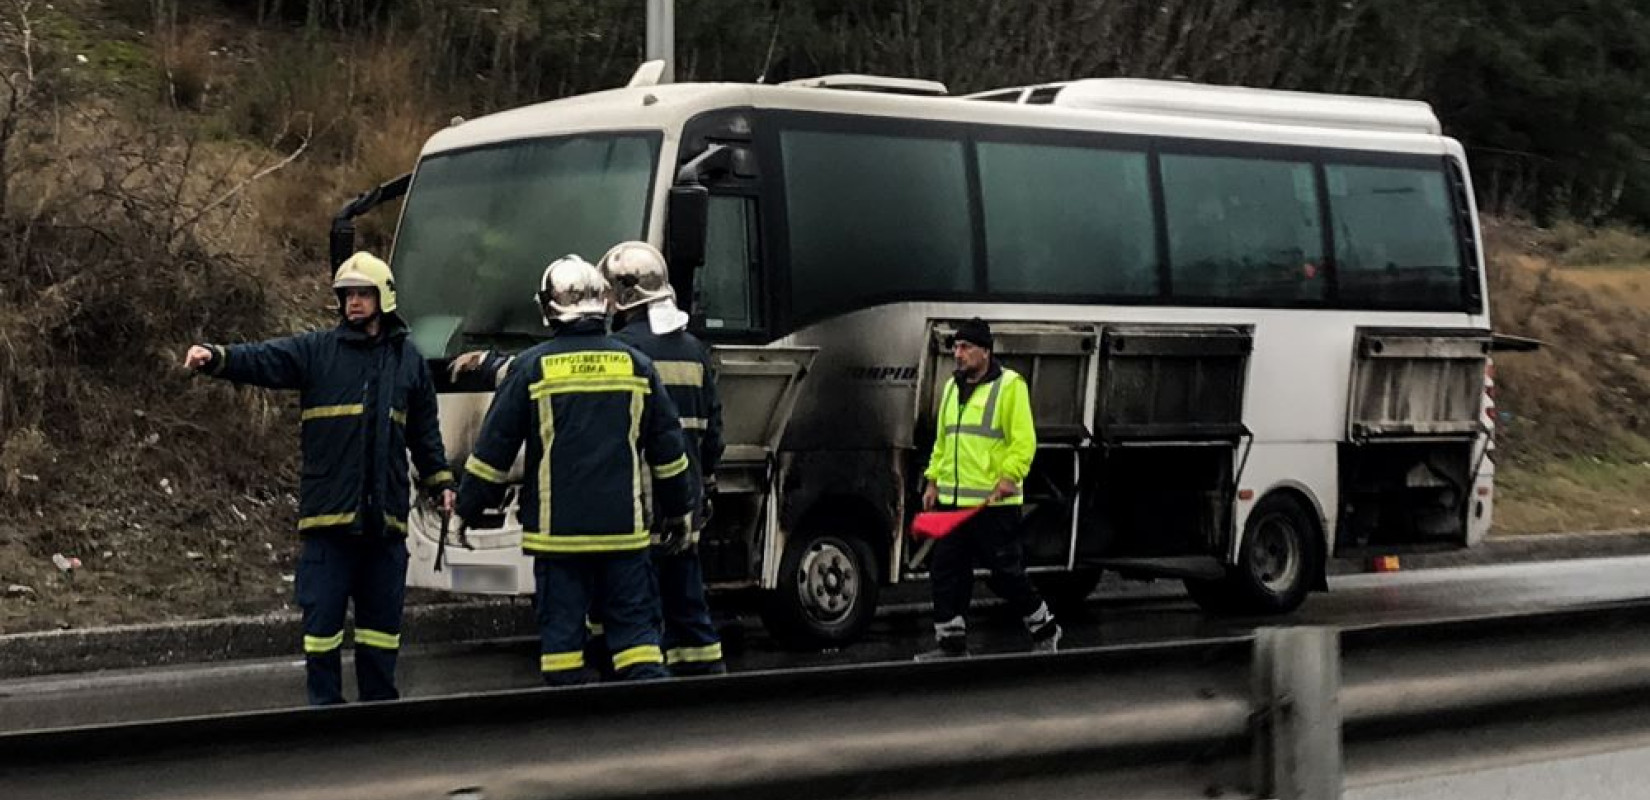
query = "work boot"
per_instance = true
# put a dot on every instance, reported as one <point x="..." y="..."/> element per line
<point x="1047" y="638"/>
<point x="946" y="647"/>
<point x="1045" y="632"/>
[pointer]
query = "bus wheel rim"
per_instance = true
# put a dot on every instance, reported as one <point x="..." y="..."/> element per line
<point x="1276" y="556"/>
<point x="827" y="581"/>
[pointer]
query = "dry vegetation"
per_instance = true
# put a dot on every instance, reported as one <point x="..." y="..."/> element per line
<point x="1575" y="434"/>
<point x="157" y="192"/>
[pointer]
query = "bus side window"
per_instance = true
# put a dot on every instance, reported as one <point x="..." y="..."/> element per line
<point x="1243" y="228"/>
<point x="1396" y="243"/>
<point x="723" y="287"/>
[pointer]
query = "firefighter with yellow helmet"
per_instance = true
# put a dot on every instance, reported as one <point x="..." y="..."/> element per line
<point x="367" y="399"/>
<point x="592" y="414"/>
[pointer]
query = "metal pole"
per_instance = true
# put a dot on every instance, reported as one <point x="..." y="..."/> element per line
<point x="661" y="36"/>
<point x="1298" y="724"/>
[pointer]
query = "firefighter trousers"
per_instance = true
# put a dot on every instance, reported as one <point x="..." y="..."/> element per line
<point x="692" y="646"/>
<point x="691" y="643"/>
<point x="333" y="569"/>
<point x="620" y="588"/>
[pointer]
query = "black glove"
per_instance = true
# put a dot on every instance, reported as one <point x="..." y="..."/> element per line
<point x="677" y="535"/>
<point x="707" y="508"/>
<point x="461" y="530"/>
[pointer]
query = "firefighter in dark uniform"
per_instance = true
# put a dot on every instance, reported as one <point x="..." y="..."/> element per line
<point x="367" y="399"/>
<point x="593" y="414"/>
<point x="647" y="319"/>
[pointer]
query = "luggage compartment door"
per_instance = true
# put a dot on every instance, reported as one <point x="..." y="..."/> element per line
<point x="1417" y="384"/>
<point x="1411" y="457"/>
<point x="1170" y="425"/>
<point x="758" y="387"/>
<point x="1173" y="383"/>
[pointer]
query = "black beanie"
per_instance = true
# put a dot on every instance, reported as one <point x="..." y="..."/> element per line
<point x="975" y="332"/>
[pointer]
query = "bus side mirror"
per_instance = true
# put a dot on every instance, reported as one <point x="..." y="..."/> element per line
<point x="341" y="238"/>
<point x="685" y="230"/>
<point x="341" y="242"/>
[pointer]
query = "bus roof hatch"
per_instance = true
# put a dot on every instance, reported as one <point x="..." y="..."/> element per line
<point x="873" y="83"/>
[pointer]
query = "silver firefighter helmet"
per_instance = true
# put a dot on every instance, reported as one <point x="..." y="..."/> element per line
<point x="572" y="289"/>
<point x="638" y="274"/>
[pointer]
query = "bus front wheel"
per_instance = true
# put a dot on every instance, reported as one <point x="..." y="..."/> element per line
<point x="1277" y="563"/>
<point x="827" y="590"/>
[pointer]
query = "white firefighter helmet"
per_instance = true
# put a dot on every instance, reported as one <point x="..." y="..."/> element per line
<point x="365" y="270"/>
<point x="638" y="274"/>
<point x="571" y="289"/>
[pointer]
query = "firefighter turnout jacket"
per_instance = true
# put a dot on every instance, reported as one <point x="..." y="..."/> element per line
<point x="685" y="369"/>
<point x="591" y="411"/>
<point x="365" y="403"/>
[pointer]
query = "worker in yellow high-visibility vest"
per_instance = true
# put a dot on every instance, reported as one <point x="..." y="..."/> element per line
<point x="982" y="453"/>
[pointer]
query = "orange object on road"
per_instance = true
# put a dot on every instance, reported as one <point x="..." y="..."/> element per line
<point x="938" y="524"/>
<point x="1384" y="564"/>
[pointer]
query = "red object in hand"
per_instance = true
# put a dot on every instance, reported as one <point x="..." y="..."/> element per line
<point x="938" y="524"/>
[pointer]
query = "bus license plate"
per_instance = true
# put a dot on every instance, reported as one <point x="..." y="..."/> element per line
<point x="483" y="579"/>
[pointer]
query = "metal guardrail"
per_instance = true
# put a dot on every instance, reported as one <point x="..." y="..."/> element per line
<point x="1288" y="713"/>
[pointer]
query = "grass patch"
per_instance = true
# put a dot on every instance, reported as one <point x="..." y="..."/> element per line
<point x="1630" y="285"/>
<point x="1572" y="244"/>
<point x="1584" y="493"/>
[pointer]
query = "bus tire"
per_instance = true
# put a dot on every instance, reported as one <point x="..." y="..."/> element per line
<point x="827" y="593"/>
<point x="1279" y="562"/>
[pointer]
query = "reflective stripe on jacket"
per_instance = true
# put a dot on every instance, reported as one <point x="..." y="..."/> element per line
<point x="357" y="394"/>
<point x="980" y="440"/>
<point x="685" y="368"/>
<point x="593" y="414"/>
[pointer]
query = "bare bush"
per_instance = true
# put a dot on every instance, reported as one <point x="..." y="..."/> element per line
<point x="20" y="80"/>
<point x="186" y="60"/>
<point x="121" y="251"/>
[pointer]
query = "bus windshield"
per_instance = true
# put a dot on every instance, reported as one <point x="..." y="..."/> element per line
<point x="481" y="224"/>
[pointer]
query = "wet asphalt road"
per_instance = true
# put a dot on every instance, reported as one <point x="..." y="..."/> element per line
<point x="1117" y="614"/>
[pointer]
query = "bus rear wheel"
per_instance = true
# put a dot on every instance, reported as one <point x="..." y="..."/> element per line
<point x="1278" y="562"/>
<point x="827" y="591"/>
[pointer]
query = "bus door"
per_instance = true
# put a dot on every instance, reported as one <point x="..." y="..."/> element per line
<point x="1412" y="451"/>
<point x="1058" y="364"/>
<point x="758" y="387"/>
<point x="1169" y="449"/>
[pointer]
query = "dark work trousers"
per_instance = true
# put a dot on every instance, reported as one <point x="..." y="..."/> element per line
<point x="620" y="588"/>
<point x="333" y="569"/>
<point x="991" y="539"/>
